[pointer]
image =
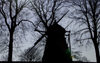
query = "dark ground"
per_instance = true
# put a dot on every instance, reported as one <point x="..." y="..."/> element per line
<point x="41" y="62"/>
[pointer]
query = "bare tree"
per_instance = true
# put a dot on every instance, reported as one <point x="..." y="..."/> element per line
<point x="88" y="14"/>
<point x="11" y="11"/>
<point x="47" y="14"/>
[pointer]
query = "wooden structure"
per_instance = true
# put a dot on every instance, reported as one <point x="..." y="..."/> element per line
<point x="55" y="48"/>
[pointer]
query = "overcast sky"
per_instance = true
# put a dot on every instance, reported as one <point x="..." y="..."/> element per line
<point x="32" y="36"/>
<point x="86" y="51"/>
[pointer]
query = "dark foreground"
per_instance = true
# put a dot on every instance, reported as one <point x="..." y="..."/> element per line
<point x="41" y="62"/>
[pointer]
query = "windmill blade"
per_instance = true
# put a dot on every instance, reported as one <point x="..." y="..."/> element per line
<point x="62" y="16"/>
<point x="29" y="51"/>
<point x="68" y="24"/>
<point x="39" y="39"/>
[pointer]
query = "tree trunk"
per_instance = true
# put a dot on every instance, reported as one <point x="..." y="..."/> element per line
<point x="10" y="52"/>
<point x="96" y="45"/>
<point x="96" y="50"/>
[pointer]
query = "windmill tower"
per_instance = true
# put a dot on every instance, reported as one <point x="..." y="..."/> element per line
<point x="56" y="46"/>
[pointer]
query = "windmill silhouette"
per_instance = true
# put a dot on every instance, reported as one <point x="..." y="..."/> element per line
<point x="56" y="46"/>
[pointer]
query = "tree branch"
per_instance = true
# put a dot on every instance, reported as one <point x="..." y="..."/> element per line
<point x="25" y="21"/>
<point x="4" y="15"/>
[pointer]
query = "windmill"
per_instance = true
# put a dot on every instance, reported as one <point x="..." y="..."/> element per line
<point x="47" y="11"/>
